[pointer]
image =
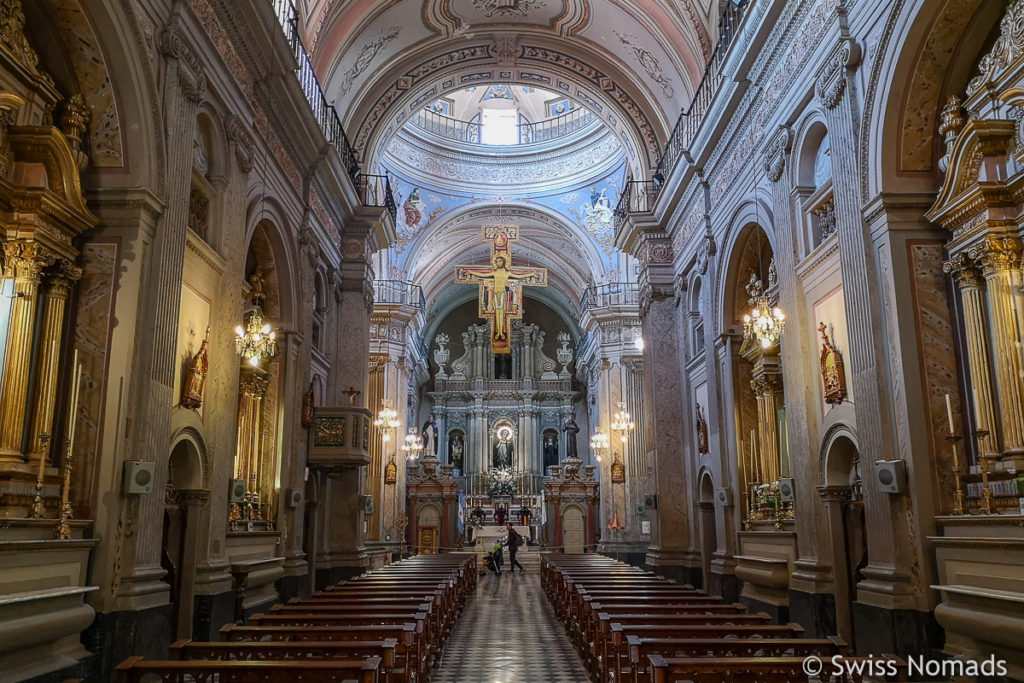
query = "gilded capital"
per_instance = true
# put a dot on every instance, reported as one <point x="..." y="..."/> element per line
<point x="964" y="270"/>
<point x="26" y="260"/>
<point x="997" y="254"/>
<point x="252" y="385"/>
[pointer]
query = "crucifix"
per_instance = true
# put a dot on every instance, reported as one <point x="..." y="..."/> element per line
<point x="501" y="296"/>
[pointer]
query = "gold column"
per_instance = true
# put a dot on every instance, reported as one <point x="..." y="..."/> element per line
<point x="252" y="389"/>
<point x="766" y="385"/>
<point x="24" y="261"/>
<point x="999" y="257"/>
<point x="49" y="350"/>
<point x="972" y="293"/>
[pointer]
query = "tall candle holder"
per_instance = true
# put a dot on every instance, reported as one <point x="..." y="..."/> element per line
<point x="63" y="525"/>
<point x="37" y="504"/>
<point x="986" y="490"/>
<point x="959" y="506"/>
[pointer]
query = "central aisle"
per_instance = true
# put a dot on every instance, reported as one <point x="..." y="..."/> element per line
<point x="507" y="633"/>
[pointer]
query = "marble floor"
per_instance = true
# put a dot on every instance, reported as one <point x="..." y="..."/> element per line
<point x="507" y="633"/>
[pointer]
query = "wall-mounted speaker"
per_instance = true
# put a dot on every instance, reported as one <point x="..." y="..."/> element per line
<point x="293" y="498"/>
<point x="651" y="501"/>
<point x="641" y="509"/>
<point x="723" y="496"/>
<point x="890" y="475"/>
<point x="137" y="477"/>
<point x="787" y="494"/>
<point x="368" y="505"/>
<point x="236" y="491"/>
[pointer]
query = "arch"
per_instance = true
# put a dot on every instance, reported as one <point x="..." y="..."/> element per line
<point x="809" y="137"/>
<point x="706" y="488"/>
<point x="838" y="452"/>
<point x="752" y="220"/>
<point x="429" y="514"/>
<point x="210" y="124"/>
<point x="920" y="62"/>
<point x="574" y="539"/>
<point x="189" y="461"/>
<point x="267" y="221"/>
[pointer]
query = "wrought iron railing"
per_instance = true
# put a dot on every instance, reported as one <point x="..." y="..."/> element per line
<point x="399" y="292"/>
<point x="326" y="115"/>
<point x="375" y="190"/>
<point x="471" y="131"/>
<point x="611" y="294"/>
<point x="640" y="195"/>
<point x="555" y="127"/>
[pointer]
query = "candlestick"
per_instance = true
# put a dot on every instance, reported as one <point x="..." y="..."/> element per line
<point x="986" y="490"/>
<point x="754" y="456"/>
<point x="958" y="494"/>
<point x="37" y="504"/>
<point x="63" y="527"/>
<point x="949" y="414"/>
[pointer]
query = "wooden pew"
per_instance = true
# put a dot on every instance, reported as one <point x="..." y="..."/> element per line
<point x="410" y="655"/>
<point x="183" y="650"/>
<point x="138" y="670"/>
<point x="741" y="670"/>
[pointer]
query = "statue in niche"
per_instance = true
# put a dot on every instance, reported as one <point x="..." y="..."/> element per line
<point x="503" y="453"/>
<point x="702" y="431"/>
<point x="195" y="381"/>
<point x="550" y="449"/>
<point x="455" y="449"/>
<point x="429" y="432"/>
<point x="571" y="429"/>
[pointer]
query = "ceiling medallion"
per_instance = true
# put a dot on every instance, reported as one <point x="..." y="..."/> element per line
<point x="508" y="8"/>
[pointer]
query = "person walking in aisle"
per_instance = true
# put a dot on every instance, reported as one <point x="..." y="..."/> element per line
<point x="514" y="541"/>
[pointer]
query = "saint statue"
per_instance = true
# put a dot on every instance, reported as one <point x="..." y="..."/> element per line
<point x="455" y="448"/>
<point x="503" y="454"/>
<point x="429" y="432"/>
<point x="702" y="431"/>
<point x="308" y="406"/>
<point x="550" y="450"/>
<point x="195" y="382"/>
<point x="571" y="429"/>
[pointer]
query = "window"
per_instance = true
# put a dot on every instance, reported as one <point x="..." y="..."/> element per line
<point x="499" y="127"/>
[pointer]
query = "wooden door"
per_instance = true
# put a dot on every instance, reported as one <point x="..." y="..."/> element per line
<point x="573" y="530"/>
<point x="427" y="542"/>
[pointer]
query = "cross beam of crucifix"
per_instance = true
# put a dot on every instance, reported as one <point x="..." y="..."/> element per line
<point x="501" y="284"/>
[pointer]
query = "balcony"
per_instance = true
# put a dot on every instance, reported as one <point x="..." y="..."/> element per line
<point x="643" y="193"/>
<point x="398" y="293"/>
<point x="470" y="131"/>
<point x="612" y="294"/>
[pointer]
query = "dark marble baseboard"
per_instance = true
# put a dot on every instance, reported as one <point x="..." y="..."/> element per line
<point x="115" y="636"/>
<point x="289" y="587"/>
<point x="331" y="576"/>
<point x="210" y="613"/>
<point x="693" y="576"/>
<point x="725" y="585"/>
<point x="778" y="613"/>
<point x="816" y="612"/>
<point x="905" y="632"/>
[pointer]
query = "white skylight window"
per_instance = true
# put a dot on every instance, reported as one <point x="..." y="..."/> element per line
<point x="499" y="127"/>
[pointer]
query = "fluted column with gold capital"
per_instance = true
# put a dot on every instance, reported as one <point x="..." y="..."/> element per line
<point x="24" y="261"/>
<point x="971" y="284"/>
<point x="766" y="385"/>
<point x="51" y="334"/>
<point x="998" y="257"/>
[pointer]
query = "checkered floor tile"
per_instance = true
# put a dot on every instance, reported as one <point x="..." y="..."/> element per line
<point x="507" y="633"/>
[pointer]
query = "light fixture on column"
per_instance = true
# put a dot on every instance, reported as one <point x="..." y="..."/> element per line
<point x="623" y="423"/>
<point x="255" y="341"/>
<point x="765" y="321"/>
<point x="387" y="420"/>
<point x="599" y="443"/>
<point x="413" y="445"/>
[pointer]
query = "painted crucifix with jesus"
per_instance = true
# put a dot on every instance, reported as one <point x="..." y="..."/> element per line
<point x="501" y="284"/>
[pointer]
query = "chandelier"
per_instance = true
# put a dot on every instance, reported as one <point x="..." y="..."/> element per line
<point x="255" y="341"/>
<point x="413" y="445"/>
<point x="764" y="323"/>
<point x="598" y="443"/>
<point x="623" y="422"/>
<point x="387" y="419"/>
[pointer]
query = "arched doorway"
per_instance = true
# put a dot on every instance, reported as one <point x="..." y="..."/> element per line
<point x="185" y="496"/>
<point x="708" y="529"/>
<point x="573" y="532"/>
<point x="842" y="496"/>
<point x="428" y="530"/>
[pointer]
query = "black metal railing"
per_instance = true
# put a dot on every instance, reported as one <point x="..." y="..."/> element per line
<point x="472" y="131"/>
<point x="693" y="116"/>
<point x="375" y="190"/>
<point x="611" y="294"/>
<point x="398" y="292"/>
<point x="326" y="115"/>
<point x="637" y="196"/>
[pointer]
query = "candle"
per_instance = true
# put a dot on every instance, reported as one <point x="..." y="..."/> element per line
<point x="76" y="377"/>
<point x="949" y="414"/>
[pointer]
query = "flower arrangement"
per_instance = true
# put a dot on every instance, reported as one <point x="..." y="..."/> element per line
<point x="500" y="482"/>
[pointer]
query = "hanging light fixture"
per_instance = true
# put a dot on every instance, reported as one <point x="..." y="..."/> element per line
<point x="255" y="341"/>
<point x="598" y="443"/>
<point x="387" y="419"/>
<point x="623" y="422"/>
<point x="765" y="321"/>
<point x="413" y="445"/>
